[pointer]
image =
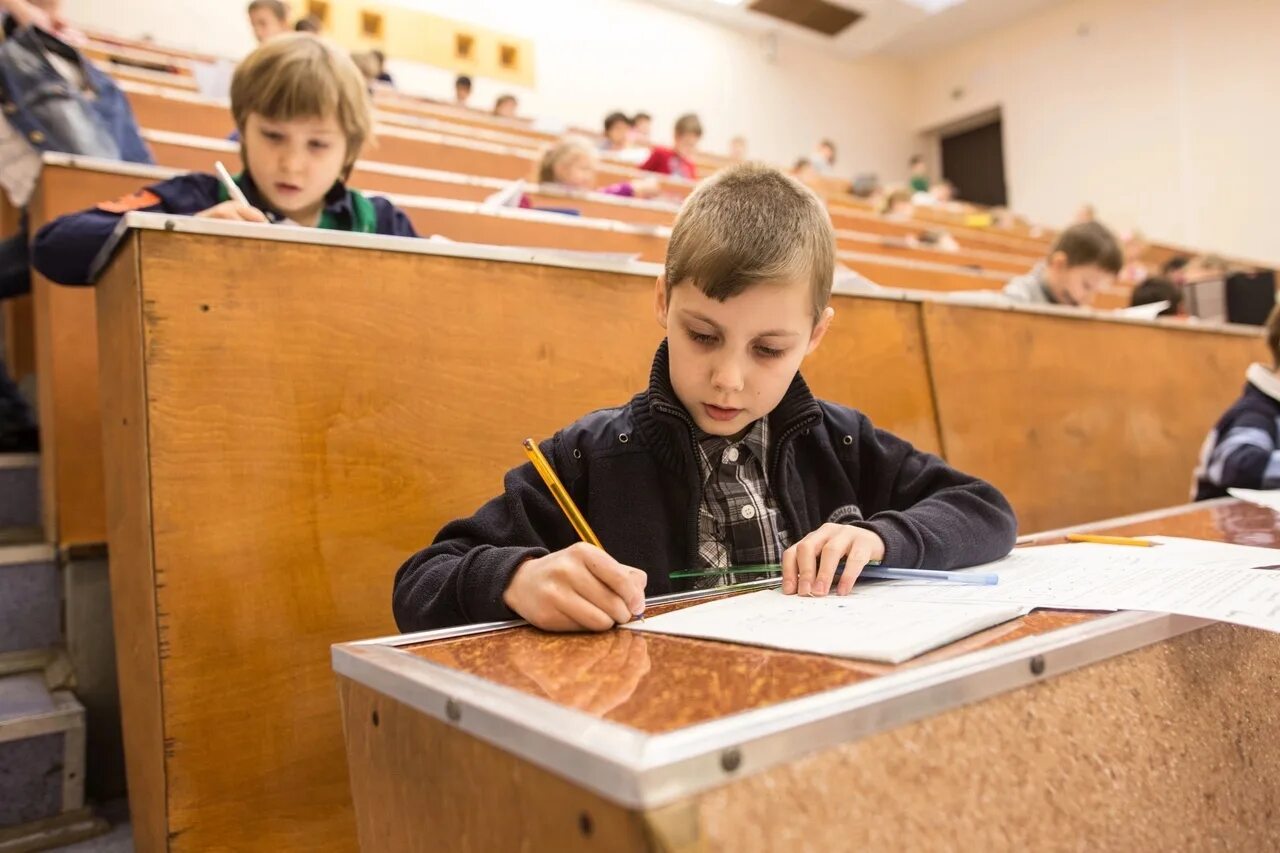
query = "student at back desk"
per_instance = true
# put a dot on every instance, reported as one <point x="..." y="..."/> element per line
<point x="1084" y="260"/>
<point x="678" y="160"/>
<point x="302" y="111"/>
<point x="726" y="459"/>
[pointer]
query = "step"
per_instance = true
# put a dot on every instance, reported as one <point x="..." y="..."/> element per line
<point x="30" y="598"/>
<point x="19" y="490"/>
<point x="41" y="751"/>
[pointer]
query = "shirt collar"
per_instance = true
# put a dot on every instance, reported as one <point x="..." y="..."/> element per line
<point x="1264" y="379"/>
<point x="754" y="441"/>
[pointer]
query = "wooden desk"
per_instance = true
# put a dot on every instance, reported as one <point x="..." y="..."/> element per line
<point x="277" y="443"/>
<point x="1060" y="730"/>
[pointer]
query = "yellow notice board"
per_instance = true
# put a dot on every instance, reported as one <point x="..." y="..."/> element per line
<point x="418" y="36"/>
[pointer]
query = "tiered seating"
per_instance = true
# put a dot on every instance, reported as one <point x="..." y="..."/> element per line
<point x="263" y="423"/>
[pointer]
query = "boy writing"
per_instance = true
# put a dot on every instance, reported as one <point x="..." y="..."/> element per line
<point x="726" y="459"/>
<point x="1084" y="260"/>
<point x="302" y="111"/>
<point x="678" y="160"/>
<point x="1243" y="448"/>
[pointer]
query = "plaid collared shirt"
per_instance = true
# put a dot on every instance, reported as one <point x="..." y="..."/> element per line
<point x="738" y="521"/>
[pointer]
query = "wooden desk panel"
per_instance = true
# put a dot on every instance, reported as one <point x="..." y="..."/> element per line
<point x="1142" y="750"/>
<point x="286" y="481"/>
<point x="66" y="330"/>
<point x="1076" y="419"/>
<point x="549" y="231"/>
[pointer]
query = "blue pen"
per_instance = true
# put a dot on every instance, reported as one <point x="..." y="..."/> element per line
<point x="873" y="570"/>
<point x="881" y="573"/>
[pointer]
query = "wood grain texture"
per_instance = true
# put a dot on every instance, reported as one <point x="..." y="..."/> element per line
<point x="67" y="351"/>
<point x="548" y="230"/>
<point x="423" y="785"/>
<point x="1170" y="747"/>
<point x="65" y="321"/>
<point x="137" y="623"/>
<point x="1077" y="420"/>
<point x="289" y="480"/>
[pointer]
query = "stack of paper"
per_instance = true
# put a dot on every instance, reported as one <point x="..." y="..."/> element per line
<point x="1270" y="499"/>
<point x="895" y="620"/>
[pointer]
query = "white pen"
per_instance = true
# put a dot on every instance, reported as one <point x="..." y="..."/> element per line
<point x="232" y="189"/>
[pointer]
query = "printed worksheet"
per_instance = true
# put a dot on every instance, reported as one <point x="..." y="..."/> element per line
<point x="852" y="626"/>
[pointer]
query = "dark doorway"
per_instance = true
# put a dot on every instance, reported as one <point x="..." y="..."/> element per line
<point x="973" y="160"/>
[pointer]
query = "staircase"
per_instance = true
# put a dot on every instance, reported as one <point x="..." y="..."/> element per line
<point x="42" y="723"/>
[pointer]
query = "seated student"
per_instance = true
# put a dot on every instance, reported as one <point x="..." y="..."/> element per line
<point x="725" y="459"/>
<point x="1154" y="289"/>
<point x="303" y="115"/>
<point x="462" y="90"/>
<point x="1084" y="260"/>
<point x="640" y="126"/>
<point x="617" y="132"/>
<point x="897" y="206"/>
<point x="678" y="160"/>
<point x="368" y="66"/>
<point x="505" y="106"/>
<point x="824" y="157"/>
<point x="1172" y="268"/>
<point x="269" y="18"/>
<point x="804" y="172"/>
<point x="919" y="174"/>
<point x="381" y="59"/>
<point x="1086" y="213"/>
<point x="571" y="163"/>
<point x="1243" y="448"/>
<point x="1135" y="271"/>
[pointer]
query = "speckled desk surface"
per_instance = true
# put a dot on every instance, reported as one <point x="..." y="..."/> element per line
<point x="656" y="683"/>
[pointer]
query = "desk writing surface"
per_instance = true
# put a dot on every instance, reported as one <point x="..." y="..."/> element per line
<point x="659" y="684"/>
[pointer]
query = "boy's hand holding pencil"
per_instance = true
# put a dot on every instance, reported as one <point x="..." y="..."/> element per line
<point x="579" y="588"/>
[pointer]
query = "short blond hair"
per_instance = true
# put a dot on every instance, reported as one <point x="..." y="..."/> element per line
<point x="563" y="150"/>
<point x="299" y="75"/>
<point x="749" y="224"/>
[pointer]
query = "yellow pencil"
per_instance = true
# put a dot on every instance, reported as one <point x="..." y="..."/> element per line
<point x="558" y="491"/>
<point x="1110" y="540"/>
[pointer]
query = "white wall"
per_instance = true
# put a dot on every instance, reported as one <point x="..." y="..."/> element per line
<point x="1160" y="112"/>
<point x="595" y="56"/>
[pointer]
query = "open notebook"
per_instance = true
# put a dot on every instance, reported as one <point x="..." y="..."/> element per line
<point x="850" y="626"/>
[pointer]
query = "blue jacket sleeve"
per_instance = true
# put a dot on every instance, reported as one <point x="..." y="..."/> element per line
<point x="391" y="219"/>
<point x="929" y="515"/>
<point x="461" y="577"/>
<point x="64" y="249"/>
<point x="1245" y="455"/>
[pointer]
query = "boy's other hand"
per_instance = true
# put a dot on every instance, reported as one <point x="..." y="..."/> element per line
<point x="234" y="211"/>
<point x="809" y="566"/>
<point x="579" y="588"/>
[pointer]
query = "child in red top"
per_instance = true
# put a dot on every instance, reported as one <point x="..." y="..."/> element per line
<point x="678" y="160"/>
